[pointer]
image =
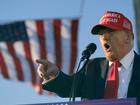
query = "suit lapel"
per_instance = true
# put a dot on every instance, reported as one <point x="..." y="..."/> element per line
<point x="104" y="68"/>
<point x="101" y="81"/>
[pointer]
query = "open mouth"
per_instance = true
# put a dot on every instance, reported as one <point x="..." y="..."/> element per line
<point x="107" y="46"/>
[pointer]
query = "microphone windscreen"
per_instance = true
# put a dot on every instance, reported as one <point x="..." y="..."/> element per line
<point x="91" y="48"/>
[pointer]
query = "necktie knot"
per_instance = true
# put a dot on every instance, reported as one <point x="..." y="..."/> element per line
<point x="117" y="63"/>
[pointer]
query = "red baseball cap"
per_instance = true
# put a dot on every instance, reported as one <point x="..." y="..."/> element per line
<point x="113" y="20"/>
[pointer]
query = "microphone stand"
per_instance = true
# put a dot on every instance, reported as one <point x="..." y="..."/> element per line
<point x="75" y="80"/>
<point x="85" y="56"/>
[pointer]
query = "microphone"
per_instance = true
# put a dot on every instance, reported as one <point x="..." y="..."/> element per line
<point x="90" y="49"/>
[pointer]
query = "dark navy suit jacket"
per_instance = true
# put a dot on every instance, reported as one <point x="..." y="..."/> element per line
<point x="91" y="81"/>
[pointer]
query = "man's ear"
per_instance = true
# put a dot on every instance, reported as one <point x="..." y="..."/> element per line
<point x="128" y="38"/>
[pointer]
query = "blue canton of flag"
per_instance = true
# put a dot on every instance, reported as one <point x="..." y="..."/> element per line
<point x="13" y="32"/>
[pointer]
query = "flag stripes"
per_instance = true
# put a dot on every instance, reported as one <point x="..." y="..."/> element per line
<point x="55" y="40"/>
<point x="28" y="56"/>
<point x="17" y="63"/>
<point x="74" y="47"/>
<point x="66" y="45"/>
<point x="3" y="66"/>
<point x="41" y="38"/>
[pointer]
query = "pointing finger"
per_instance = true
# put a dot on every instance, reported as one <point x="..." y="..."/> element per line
<point x="40" y="61"/>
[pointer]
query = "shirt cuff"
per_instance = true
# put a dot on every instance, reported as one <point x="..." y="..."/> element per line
<point x="45" y="81"/>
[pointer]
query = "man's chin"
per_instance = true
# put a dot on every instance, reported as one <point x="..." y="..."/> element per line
<point x="111" y="57"/>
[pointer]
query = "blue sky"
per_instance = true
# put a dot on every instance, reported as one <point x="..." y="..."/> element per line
<point x="88" y="11"/>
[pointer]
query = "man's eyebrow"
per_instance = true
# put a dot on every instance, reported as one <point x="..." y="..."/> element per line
<point x="101" y="31"/>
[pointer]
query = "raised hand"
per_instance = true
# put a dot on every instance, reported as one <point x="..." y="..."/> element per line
<point x="46" y="69"/>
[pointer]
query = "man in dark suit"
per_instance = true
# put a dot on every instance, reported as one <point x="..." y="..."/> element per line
<point x="116" y="36"/>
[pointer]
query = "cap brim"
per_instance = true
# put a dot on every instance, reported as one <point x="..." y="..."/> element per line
<point x="96" y="28"/>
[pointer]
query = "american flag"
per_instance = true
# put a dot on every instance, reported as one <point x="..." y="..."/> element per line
<point x="22" y="42"/>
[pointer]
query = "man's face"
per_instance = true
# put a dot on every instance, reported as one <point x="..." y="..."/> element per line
<point x="114" y="43"/>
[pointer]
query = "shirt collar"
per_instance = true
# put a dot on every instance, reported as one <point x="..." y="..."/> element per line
<point x="126" y="60"/>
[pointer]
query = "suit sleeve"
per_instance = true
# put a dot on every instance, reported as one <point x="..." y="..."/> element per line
<point x="62" y="84"/>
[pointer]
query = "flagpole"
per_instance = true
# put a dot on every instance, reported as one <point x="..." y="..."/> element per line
<point x="82" y="7"/>
<point x="137" y="17"/>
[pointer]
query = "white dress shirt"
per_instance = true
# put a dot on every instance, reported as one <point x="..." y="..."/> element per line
<point x="125" y="72"/>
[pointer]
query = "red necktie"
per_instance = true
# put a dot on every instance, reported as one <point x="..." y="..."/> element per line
<point x="112" y="82"/>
